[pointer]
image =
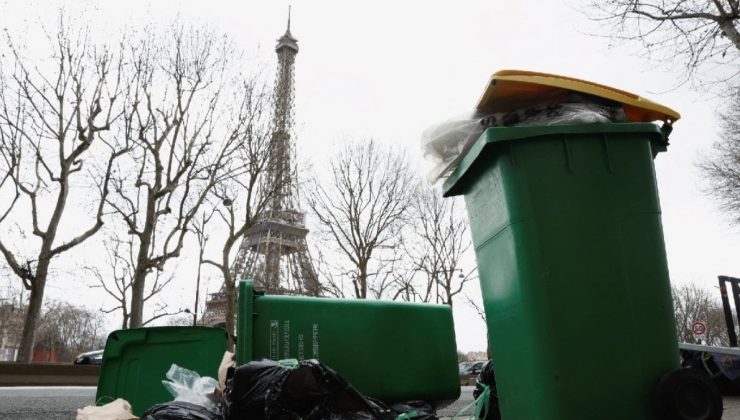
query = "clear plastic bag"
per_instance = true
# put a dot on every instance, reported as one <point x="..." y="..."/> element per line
<point x="188" y="386"/>
<point x="444" y="144"/>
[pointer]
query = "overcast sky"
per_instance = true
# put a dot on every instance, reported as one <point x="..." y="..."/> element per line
<point x="387" y="70"/>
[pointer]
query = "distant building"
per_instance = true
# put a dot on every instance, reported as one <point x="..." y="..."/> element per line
<point x="11" y="327"/>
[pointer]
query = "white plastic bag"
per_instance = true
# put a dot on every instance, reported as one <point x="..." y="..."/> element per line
<point x="226" y="362"/>
<point x="118" y="409"/>
<point x="187" y="385"/>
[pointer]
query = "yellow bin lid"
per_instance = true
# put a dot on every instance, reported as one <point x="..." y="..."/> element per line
<point x="513" y="89"/>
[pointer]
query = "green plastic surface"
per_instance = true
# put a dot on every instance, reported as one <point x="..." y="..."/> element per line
<point x="567" y="230"/>
<point x="135" y="362"/>
<point x="393" y="351"/>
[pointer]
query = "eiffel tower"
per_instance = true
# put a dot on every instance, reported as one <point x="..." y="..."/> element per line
<point x="274" y="252"/>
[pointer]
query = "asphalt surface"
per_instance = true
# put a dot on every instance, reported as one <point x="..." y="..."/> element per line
<point x="466" y="397"/>
<point x="35" y="403"/>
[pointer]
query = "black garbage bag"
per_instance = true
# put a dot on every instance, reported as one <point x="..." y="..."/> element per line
<point x="180" y="410"/>
<point x="487" y="380"/>
<point x="309" y="391"/>
<point x="247" y="386"/>
<point x="314" y="391"/>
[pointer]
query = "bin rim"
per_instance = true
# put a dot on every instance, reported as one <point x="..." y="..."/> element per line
<point x="506" y="84"/>
<point x="141" y="334"/>
<point x="453" y="184"/>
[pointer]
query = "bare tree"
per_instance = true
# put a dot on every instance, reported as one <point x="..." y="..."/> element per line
<point x="721" y="166"/>
<point x="699" y="32"/>
<point x="52" y="116"/>
<point x="441" y="241"/>
<point x="240" y="200"/>
<point x="116" y="279"/>
<point x="326" y="269"/>
<point x="362" y="211"/>
<point x="170" y="123"/>
<point x="692" y="303"/>
<point x="69" y="330"/>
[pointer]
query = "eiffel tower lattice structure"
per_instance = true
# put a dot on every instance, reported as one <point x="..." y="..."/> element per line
<point x="274" y="252"/>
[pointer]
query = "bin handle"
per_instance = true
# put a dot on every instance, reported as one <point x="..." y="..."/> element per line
<point x="666" y="129"/>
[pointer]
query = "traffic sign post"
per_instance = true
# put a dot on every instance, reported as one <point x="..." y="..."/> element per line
<point x="699" y="329"/>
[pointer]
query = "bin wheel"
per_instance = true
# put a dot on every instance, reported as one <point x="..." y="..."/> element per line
<point x="687" y="394"/>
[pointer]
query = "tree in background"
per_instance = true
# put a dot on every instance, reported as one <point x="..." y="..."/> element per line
<point x="171" y="123"/>
<point x="116" y="275"/>
<point x="67" y="330"/>
<point x="692" y="303"/>
<point x="362" y="210"/>
<point x="439" y="241"/>
<point x="54" y="113"/>
<point x="721" y="166"/>
<point x="698" y="32"/>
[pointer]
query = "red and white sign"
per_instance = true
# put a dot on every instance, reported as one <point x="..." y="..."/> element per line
<point x="699" y="328"/>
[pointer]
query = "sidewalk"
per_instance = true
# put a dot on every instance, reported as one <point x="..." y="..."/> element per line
<point x="732" y="408"/>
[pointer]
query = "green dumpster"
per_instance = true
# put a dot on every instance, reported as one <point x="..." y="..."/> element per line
<point x="393" y="351"/>
<point x="567" y="230"/>
<point x="135" y="362"/>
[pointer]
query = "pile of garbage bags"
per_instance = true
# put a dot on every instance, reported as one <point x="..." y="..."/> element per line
<point x="306" y="390"/>
<point x="269" y="390"/>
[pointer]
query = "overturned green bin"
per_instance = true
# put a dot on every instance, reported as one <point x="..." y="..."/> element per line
<point x="136" y="361"/>
<point x="567" y="230"/>
<point x="393" y="351"/>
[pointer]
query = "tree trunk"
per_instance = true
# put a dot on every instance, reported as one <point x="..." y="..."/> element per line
<point x="38" y="285"/>
<point x="136" y="318"/>
<point x="729" y="30"/>
<point x="230" y="307"/>
<point x="363" y="280"/>
<point x="33" y="313"/>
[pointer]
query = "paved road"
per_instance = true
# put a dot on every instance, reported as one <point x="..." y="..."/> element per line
<point x="36" y="403"/>
<point x="61" y="403"/>
<point x="466" y="397"/>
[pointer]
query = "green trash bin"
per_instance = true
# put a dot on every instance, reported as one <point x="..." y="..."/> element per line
<point x="392" y="351"/>
<point x="567" y="230"/>
<point x="136" y="361"/>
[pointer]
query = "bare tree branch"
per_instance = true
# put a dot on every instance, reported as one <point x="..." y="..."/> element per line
<point x="692" y="303"/>
<point x="45" y="151"/>
<point x="720" y="167"/>
<point x="703" y="34"/>
<point x="363" y="208"/>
